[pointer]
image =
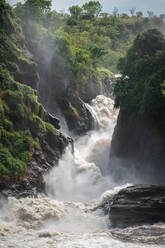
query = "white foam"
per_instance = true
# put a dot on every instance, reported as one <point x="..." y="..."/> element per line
<point x="82" y="176"/>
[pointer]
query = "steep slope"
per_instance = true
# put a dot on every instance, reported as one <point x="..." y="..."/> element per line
<point x="29" y="145"/>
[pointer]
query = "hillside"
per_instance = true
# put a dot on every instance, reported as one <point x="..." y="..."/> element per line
<point x="26" y="140"/>
<point x="77" y="53"/>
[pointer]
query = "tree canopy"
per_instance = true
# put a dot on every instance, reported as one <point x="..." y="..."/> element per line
<point x="75" y="11"/>
<point x="92" y="9"/>
<point x="85" y="40"/>
<point x="33" y="8"/>
<point x="139" y="90"/>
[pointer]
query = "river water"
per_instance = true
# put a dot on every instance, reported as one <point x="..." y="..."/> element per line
<point x="82" y="181"/>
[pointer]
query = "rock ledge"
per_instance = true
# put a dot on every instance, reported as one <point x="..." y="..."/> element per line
<point x="137" y="205"/>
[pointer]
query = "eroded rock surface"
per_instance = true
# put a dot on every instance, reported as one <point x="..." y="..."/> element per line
<point x="138" y="205"/>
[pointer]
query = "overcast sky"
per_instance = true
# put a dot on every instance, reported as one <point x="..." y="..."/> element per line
<point x="157" y="6"/>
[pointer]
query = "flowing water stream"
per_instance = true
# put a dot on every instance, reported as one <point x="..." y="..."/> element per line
<point x="64" y="219"/>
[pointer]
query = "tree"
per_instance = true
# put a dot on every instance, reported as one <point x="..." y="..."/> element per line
<point x="139" y="90"/>
<point x="104" y="14"/>
<point x="96" y="51"/>
<point x="139" y="14"/>
<point x="91" y="9"/>
<point x="115" y="12"/>
<point x="42" y="6"/>
<point x="34" y="9"/>
<point x="132" y="11"/>
<point x="124" y="15"/>
<point x="148" y="43"/>
<point x="75" y="11"/>
<point x="150" y="14"/>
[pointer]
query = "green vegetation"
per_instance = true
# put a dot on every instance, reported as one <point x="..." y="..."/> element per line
<point x="21" y="115"/>
<point x="91" y="9"/>
<point x="80" y="43"/>
<point x="50" y="127"/>
<point x="17" y="103"/>
<point x="9" y="165"/>
<point x="35" y="9"/>
<point x="11" y="42"/>
<point x="143" y="73"/>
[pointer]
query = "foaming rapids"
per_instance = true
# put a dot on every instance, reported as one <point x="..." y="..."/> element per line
<point x="48" y="223"/>
<point x="84" y="175"/>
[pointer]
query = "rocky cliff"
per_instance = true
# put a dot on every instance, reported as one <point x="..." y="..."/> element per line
<point x="139" y="138"/>
<point x="137" y="205"/>
<point x="59" y="95"/>
<point x="29" y="143"/>
<point x="139" y="146"/>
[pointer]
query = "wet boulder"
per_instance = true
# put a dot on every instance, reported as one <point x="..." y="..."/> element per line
<point x="137" y="205"/>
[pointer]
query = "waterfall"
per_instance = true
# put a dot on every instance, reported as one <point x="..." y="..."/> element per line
<point x="94" y="116"/>
<point x="84" y="175"/>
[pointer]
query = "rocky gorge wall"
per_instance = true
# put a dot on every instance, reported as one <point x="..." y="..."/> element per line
<point x="57" y="93"/>
<point x="139" y="146"/>
<point x="29" y="140"/>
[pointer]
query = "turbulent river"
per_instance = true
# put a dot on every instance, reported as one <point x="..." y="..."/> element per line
<point x="65" y="218"/>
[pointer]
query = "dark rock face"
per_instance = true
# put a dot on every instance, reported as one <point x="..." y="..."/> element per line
<point x="78" y="118"/>
<point x="92" y="90"/>
<point x="61" y="97"/>
<point x="139" y="146"/>
<point x="138" y="205"/>
<point x="29" y="75"/>
<point x="53" y="120"/>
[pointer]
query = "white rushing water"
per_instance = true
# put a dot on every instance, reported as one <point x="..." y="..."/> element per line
<point x="83" y="176"/>
<point x="64" y="219"/>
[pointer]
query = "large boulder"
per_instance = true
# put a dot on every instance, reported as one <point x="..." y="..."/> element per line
<point x="137" y="205"/>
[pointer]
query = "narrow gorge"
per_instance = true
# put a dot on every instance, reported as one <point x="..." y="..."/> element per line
<point x="82" y="141"/>
<point x="70" y="216"/>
